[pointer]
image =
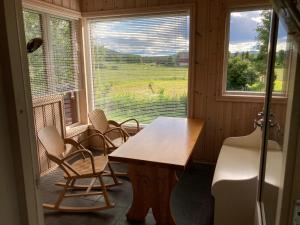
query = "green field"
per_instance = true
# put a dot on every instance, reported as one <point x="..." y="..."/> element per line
<point x="145" y="91"/>
<point x="142" y="91"/>
<point x="278" y="84"/>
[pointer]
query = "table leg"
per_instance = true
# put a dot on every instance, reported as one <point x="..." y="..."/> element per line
<point x="152" y="188"/>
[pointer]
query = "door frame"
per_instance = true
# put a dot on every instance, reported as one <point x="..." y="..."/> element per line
<point x="20" y="129"/>
<point x="19" y="107"/>
<point x="290" y="184"/>
<point x="289" y="189"/>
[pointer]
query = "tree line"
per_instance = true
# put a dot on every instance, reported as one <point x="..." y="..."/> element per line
<point x="246" y="71"/>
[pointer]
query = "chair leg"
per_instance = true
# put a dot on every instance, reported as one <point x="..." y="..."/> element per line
<point x="105" y="195"/>
<point x="117" y="174"/>
<point x="62" y="193"/>
<point x="113" y="175"/>
<point x="91" y="184"/>
<point x="73" y="182"/>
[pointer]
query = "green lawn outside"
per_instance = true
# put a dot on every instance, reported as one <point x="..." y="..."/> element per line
<point x="145" y="91"/>
<point x="278" y="84"/>
<point x="142" y="91"/>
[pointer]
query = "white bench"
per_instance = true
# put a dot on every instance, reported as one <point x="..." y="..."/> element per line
<point x="234" y="185"/>
<point x="235" y="181"/>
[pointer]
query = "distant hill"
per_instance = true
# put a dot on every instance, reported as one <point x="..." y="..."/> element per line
<point x="179" y="59"/>
<point x="249" y="52"/>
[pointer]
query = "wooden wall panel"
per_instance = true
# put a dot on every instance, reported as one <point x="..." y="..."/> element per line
<point x="223" y="118"/>
<point x="69" y="4"/>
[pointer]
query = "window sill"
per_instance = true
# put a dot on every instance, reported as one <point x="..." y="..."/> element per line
<point x="74" y="130"/>
<point x="255" y="98"/>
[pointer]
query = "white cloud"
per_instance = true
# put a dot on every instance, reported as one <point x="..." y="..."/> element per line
<point x="252" y="46"/>
<point x="155" y="37"/>
<point x="257" y="19"/>
<point x="281" y="44"/>
<point x="243" y="46"/>
<point x="236" y="14"/>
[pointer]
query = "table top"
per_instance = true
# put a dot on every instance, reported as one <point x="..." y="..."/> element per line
<point x="166" y="141"/>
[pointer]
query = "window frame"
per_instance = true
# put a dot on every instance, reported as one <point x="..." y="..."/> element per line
<point x="189" y="8"/>
<point x="241" y="96"/>
<point x="45" y="16"/>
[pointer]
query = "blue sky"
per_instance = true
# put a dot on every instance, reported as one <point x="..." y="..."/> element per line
<point x="156" y="35"/>
<point x="243" y="31"/>
<point x="159" y="36"/>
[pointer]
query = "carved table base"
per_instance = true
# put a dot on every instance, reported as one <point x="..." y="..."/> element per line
<point x="152" y="188"/>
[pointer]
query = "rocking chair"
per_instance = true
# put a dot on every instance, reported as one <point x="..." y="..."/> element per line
<point x="83" y="165"/>
<point x="113" y="131"/>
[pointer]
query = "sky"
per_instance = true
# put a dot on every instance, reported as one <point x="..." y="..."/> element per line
<point x="168" y="35"/>
<point x="146" y="36"/>
<point x="243" y="32"/>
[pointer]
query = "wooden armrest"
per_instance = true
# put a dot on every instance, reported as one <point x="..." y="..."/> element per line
<point x="114" y="123"/>
<point x="73" y="143"/>
<point x="88" y="152"/>
<point x="121" y="130"/>
<point x="81" y="151"/>
<point x="96" y="131"/>
<point x="132" y="119"/>
<point x="103" y="137"/>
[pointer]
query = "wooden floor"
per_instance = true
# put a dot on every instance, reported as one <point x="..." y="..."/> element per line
<point x="191" y="201"/>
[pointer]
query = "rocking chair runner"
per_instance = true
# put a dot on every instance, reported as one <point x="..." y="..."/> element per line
<point x="110" y="128"/>
<point x="86" y="167"/>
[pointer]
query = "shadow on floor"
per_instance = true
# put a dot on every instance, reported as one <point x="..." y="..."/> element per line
<point x="191" y="203"/>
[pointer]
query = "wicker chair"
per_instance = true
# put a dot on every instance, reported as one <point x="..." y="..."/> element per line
<point x="113" y="131"/>
<point x="76" y="165"/>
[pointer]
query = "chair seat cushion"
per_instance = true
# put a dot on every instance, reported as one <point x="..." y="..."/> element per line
<point x="84" y="166"/>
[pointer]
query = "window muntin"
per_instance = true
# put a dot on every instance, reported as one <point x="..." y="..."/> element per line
<point x="140" y="66"/>
<point x="246" y="64"/>
<point x="54" y="67"/>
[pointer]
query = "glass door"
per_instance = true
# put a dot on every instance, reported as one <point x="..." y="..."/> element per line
<point x="279" y="61"/>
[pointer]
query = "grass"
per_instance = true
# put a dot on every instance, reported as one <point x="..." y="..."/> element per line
<point x="145" y="91"/>
<point x="142" y="91"/>
<point x="278" y="84"/>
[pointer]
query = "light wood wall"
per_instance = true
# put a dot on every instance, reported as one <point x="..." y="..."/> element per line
<point x="223" y="118"/>
<point x="69" y="4"/>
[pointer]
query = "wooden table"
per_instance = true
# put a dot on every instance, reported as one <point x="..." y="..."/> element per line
<point x="153" y="156"/>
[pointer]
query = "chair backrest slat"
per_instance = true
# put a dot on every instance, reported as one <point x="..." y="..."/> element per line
<point x="52" y="141"/>
<point x="99" y="120"/>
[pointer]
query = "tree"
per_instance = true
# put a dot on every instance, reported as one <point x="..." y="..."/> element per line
<point x="263" y="33"/>
<point x="280" y="58"/>
<point x="240" y="74"/>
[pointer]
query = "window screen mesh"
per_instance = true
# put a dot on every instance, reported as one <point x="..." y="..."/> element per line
<point x="36" y="60"/>
<point x="53" y="68"/>
<point x="140" y="66"/>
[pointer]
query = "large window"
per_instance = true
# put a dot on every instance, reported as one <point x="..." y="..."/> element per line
<point x="140" y="66"/>
<point x="53" y="68"/>
<point x="248" y="40"/>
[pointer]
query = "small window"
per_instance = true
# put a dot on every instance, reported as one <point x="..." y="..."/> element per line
<point x="247" y="55"/>
<point x="53" y="68"/>
<point x="140" y="66"/>
<point x="71" y="108"/>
